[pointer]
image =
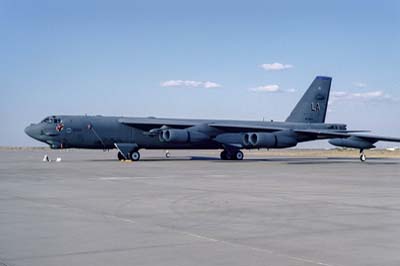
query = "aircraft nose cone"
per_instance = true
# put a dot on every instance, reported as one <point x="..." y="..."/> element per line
<point x="29" y="130"/>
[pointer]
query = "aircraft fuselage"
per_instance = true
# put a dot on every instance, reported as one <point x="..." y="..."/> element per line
<point x="102" y="132"/>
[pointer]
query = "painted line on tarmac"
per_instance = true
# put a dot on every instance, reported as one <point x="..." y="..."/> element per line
<point x="210" y="239"/>
<point x="255" y="249"/>
<point x="117" y="178"/>
<point x="122" y="178"/>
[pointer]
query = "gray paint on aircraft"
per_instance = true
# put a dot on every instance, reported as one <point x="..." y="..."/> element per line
<point x="130" y="134"/>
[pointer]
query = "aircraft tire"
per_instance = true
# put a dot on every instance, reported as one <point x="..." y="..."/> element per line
<point x="229" y="156"/>
<point x="120" y="156"/>
<point x="134" y="156"/>
<point x="238" y="156"/>
<point x="223" y="155"/>
<point x="363" y="158"/>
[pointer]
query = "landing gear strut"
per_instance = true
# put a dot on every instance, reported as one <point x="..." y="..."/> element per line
<point x="231" y="155"/>
<point x="362" y="156"/>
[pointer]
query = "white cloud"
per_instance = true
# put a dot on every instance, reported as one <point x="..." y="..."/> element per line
<point x="359" y="84"/>
<point x="190" y="84"/>
<point x="271" y="88"/>
<point x="276" y="66"/>
<point x="266" y="88"/>
<point x="361" y="96"/>
<point x="209" y="84"/>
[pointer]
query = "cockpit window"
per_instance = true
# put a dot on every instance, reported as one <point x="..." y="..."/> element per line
<point x="46" y="120"/>
<point x="51" y="120"/>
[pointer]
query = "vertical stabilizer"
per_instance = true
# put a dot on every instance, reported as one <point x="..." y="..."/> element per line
<point x="313" y="105"/>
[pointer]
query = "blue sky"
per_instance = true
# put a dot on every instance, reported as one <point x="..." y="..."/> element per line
<point x="197" y="59"/>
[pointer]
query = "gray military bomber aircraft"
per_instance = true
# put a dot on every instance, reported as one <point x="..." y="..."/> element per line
<point x="305" y="123"/>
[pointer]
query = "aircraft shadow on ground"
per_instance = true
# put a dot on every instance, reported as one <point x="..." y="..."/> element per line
<point x="305" y="160"/>
<point x="299" y="161"/>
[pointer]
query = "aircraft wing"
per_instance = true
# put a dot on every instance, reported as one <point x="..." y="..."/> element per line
<point x="372" y="138"/>
<point x="232" y="127"/>
<point x="151" y="123"/>
<point x="327" y="134"/>
<point x="360" y="141"/>
<point x="323" y="134"/>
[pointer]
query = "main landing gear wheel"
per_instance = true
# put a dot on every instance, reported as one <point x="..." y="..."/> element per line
<point x="362" y="156"/>
<point x="235" y="155"/>
<point x="120" y="156"/>
<point x="223" y="155"/>
<point x="239" y="155"/>
<point x="134" y="156"/>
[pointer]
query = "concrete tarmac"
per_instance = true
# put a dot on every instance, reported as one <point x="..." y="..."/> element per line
<point x="90" y="209"/>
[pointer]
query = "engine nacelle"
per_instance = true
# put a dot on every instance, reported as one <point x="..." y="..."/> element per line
<point x="175" y="135"/>
<point x="261" y="140"/>
<point x="182" y="136"/>
<point x="232" y="138"/>
<point x="282" y="139"/>
<point x="352" y="142"/>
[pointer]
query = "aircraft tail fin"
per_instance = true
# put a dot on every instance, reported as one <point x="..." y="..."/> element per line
<point x="313" y="105"/>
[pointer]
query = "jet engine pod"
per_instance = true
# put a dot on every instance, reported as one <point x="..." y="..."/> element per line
<point x="285" y="140"/>
<point x="246" y="139"/>
<point x="262" y="140"/>
<point x="281" y="139"/>
<point x="183" y="136"/>
<point x="175" y="135"/>
<point x="236" y="139"/>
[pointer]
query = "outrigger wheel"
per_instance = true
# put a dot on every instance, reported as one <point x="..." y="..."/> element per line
<point x="362" y="156"/>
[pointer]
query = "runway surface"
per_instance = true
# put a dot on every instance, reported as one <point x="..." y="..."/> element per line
<point x="90" y="209"/>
